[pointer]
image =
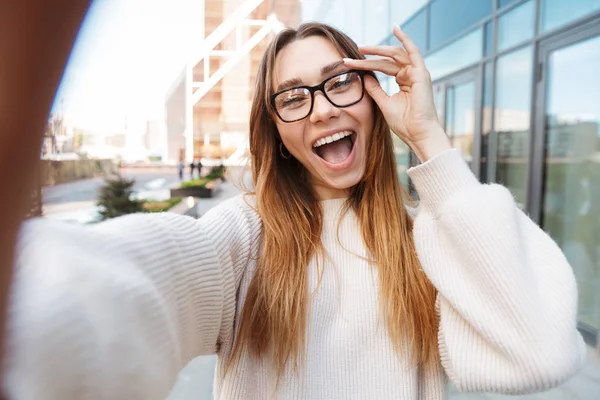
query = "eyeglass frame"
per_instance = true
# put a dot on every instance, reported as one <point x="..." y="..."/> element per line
<point x="320" y="87"/>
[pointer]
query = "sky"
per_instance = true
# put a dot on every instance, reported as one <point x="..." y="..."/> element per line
<point x="127" y="55"/>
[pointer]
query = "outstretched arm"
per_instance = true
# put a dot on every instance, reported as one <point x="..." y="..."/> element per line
<point x="35" y="40"/>
<point x="116" y="309"/>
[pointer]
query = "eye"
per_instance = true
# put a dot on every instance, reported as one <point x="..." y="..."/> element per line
<point x="342" y="81"/>
<point x="292" y="98"/>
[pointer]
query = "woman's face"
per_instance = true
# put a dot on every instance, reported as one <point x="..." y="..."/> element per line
<point x="338" y="165"/>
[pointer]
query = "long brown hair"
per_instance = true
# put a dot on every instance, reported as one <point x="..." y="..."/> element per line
<point x="276" y="305"/>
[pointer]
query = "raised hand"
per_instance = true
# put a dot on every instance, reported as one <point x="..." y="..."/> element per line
<point x="410" y="112"/>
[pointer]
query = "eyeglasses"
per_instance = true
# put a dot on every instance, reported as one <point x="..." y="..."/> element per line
<point x="341" y="90"/>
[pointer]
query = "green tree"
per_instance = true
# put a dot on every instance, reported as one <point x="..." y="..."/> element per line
<point x="116" y="198"/>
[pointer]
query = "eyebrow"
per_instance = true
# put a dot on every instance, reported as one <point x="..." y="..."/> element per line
<point x="326" y="70"/>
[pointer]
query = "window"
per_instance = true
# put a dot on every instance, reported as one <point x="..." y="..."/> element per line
<point x="516" y="26"/>
<point x="402" y="153"/>
<point x="488" y="88"/>
<point x="335" y="14"/>
<point x="377" y="21"/>
<point x="416" y="28"/>
<point x="402" y="10"/>
<point x="353" y="25"/>
<point x="450" y="17"/>
<point x="512" y="120"/>
<point x="489" y="39"/>
<point x="461" y="108"/>
<point x="457" y="55"/>
<point x="559" y="12"/>
<point x="438" y="95"/>
<point x="388" y="83"/>
<point x="486" y="120"/>
<point x="571" y="212"/>
<point x="504" y="3"/>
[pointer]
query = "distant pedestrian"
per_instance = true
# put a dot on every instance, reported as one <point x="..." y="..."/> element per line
<point x="192" y="167"/>
<point x="180" y="167"/>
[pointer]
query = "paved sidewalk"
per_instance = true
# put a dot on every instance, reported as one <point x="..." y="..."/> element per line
<point x="195" y="382"/>
<point x="226" y="190"/>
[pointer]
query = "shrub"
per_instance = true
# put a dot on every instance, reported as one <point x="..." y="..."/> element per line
<point x="216" y="172"/>
<point x="115" y="198"/>
<point x="196" y="182"/>
<point x="160" y="206"/>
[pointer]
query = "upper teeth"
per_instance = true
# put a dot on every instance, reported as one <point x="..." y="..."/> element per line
<point x="332" y="138"/>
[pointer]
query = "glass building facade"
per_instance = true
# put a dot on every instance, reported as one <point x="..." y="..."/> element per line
<point x="517" y="87"/>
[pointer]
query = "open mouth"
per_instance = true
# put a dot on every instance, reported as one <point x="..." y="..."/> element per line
<point x="335" y="149"/>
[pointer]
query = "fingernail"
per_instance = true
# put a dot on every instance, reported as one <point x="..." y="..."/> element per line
<point x="347" y="59"/>
<point x="398" y="26"/>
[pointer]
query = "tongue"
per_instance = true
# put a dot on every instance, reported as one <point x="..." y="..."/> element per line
<point x="336" y="152"/>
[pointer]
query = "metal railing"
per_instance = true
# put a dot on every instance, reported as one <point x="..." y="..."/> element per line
<point x="238" y="20"/>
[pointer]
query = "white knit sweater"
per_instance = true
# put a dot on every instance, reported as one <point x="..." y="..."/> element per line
<point x="115" y="310"/>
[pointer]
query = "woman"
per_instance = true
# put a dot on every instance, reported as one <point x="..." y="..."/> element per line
<point x="320" y="284"/>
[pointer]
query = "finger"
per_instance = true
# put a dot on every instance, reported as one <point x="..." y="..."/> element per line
<point x="386" y="66"/>
<point x="375" y="90"/>
<point x="402" y="78"/>
<point x="412" y="49"/>
<point x="395" y="52"/>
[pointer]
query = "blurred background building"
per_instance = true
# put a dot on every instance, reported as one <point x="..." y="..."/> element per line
<point x="208" y="107"/>
<point x="517" y="86"/>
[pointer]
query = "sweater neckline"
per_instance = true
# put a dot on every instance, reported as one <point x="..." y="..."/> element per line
<point x="331" y="208"/>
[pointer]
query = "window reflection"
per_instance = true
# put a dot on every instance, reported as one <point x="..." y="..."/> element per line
<point x="449" y="17"/>
<point x="516" y="26"/>
<point x="437" y="99"/>
<point x="504" y="3"/>
<point x="388" y="83"/>
<point x="457" y="55"/>
<point x="402" y="152"/>
<point x="572" y="179"/>
<point x="486" y="123"/>
<point x="489" y="39"/>
<point x="460" y="117"/>
<point x="512" y="119"/>
<point x="558" y="12"/>
<point x="416" y="28"/>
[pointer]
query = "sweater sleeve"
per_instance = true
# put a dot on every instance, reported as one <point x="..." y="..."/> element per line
<point x="115" y="310"/>
<point x="507" y="297"/>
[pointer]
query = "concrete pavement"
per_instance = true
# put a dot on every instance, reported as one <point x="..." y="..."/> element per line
<point x="195" y="381"/>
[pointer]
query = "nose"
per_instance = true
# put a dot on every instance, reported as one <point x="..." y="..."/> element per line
<point x="323" y="109"/>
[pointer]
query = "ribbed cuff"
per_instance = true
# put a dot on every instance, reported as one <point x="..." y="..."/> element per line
<point x="442" y="177"/>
